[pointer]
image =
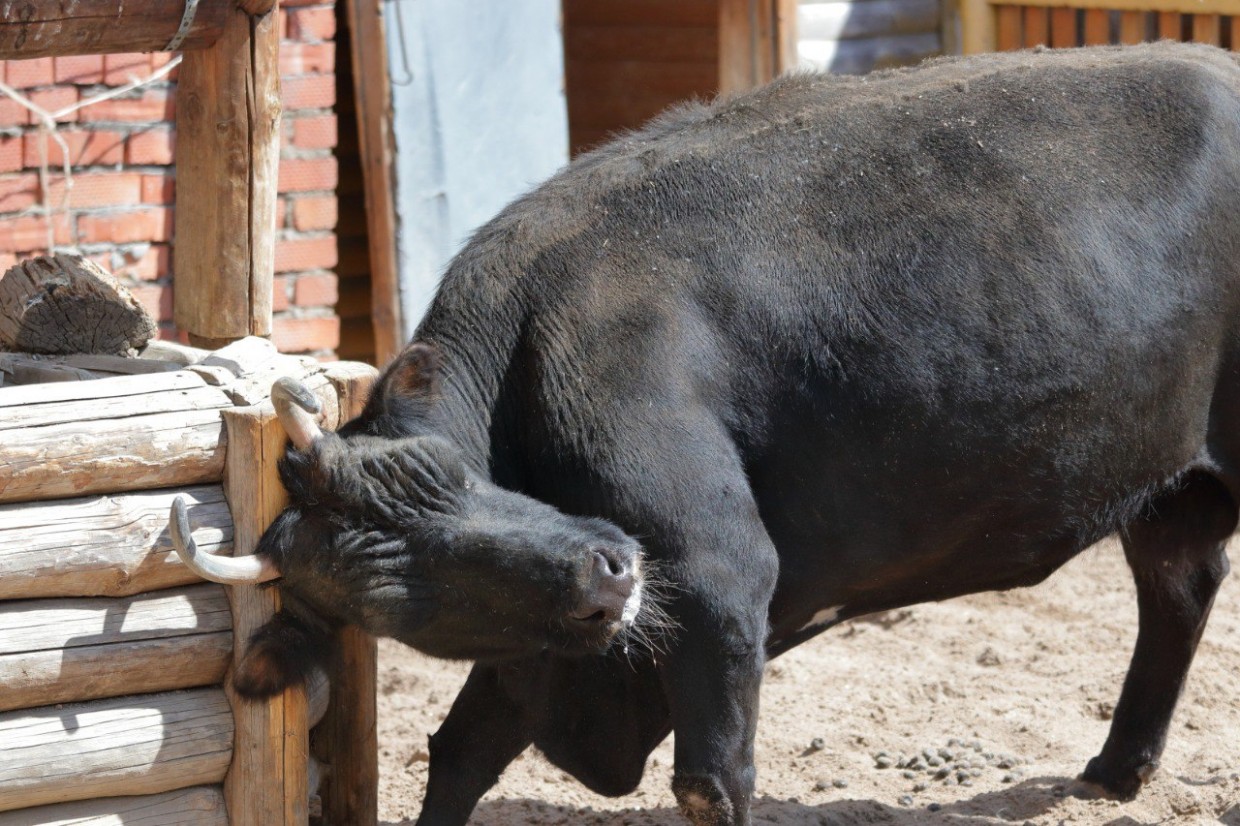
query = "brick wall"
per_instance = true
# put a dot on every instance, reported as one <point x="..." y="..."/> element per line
<point x="124" y="194"/>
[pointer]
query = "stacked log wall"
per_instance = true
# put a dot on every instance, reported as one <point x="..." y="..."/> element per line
<point x="113" y="655"/>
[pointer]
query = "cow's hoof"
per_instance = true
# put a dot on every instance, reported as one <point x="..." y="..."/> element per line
<point x="703" y="801"/>
<point x="1097" y="781"/>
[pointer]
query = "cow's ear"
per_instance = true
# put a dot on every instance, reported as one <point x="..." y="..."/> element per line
<point x="282" y="653"/>
<point x="414" y="374"/>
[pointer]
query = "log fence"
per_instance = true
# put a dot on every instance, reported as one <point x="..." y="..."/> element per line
<point x="114" y="702"/>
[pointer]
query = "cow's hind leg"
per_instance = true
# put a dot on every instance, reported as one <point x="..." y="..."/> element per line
<point x="1176" y="552"/>
<point x="482" y="734"/>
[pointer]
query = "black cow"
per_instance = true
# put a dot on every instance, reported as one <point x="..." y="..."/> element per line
<point x="830" y="348"/>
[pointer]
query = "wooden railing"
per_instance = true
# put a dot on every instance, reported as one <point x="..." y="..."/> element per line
<point x="1000" y="26"/>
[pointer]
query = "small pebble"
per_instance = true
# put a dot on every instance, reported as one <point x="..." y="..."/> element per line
<point x="934" y="807"/>
<point x="883" y="761"/>
<point x="919" y="787"/>
<point x="817" y="744"/>
<point x="840" y="783"/>
<point x="908" y="775"/>
<point x="942" y="773"/>
<point x="906" y="800"/>
<point x="933" y="761"/>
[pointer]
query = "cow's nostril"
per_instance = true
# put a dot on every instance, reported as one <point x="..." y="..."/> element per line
<point x="609" y="565"/>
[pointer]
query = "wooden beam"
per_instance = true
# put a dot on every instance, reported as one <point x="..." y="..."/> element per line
<point x="267" y="781"/>
<point x="195" y="806"/>
<point x="99" y="546"/>
<point x="980" y="26"/>
<point x="68" y="650"/>
<point x="372" y="93"/>
<point x="125" y="746"/>
<point x="1227" y="7"/>
<point x="88" y="27"/>
<point x="228" y="148"/>
<point x="348" y="739"/>
<point x="754" y="42"/>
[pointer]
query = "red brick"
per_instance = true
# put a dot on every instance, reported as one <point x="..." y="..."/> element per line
<point x="308" y="92"/>
<point x="84" y="70"/>
<point x="154" y="105"/>
<point x="282" y="24"/>
<point x="307" y="58"/>
<point x="11" y="153"/>
<point x="12" y="113"/>
<point x="161" y="59"/>
<point x="318" y="290"/>
<point x="315" y="213"/>
<point x="280" y="293"/>
<point x="158" y="189"/>
<point x="157" y="298"/>
<point x="18" y="191"/>
<point x="307" y="174"/>
<point x="290" y="4"/>
<point x="294" y="254"/>
<point x="154" y="263"/>
<point x="298" y="335"/>
<point x="150" y="224"/>
<point x="27" y="74"/>
<point x="52" y="100"/>
<point x="119" y="69"/>
<point x="29" y="233"/>
<point x="315" y="132"/>
<point x="153" y="147"/>
<point x="312" y="24"/>
<point x="85" y="149"/>
<point x="100" y="189"/>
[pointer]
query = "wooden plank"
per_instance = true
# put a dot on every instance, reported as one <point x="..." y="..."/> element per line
<point x="91" y="672"/>
<point x="195" y="806"/>
<point x="105" y="545"/>
<point x="113" y="455"/>
<point x="1063" y="28"/>
<point x="1170" y="25"/>
<point x="843" y="19"/>
<point x="135" y="745"/>
<point x="1035" y="23"/>
<point x="693" y="13"/>
<point x="1182" y="6"/>
<point x="658" y="44"/>
<point x="227" y="150"/>
<point x="1207" y="28"/>
<point x="373" y="98"/>
<point x="348" y="738"/>
<point x="592" y="112"/>
<point x="979" y="23"/>
<point x="34" y="416"/>
<point x="1009" y="28"/>
<point x="1131" y="27"/>
<point x="1097" y="27"/>
<point x="746" y="49"/>
<point x="266" y="781"/>
<point x="111" y="388"/>
<point x="88" y="27"/>
<point x="1235" y="32"/>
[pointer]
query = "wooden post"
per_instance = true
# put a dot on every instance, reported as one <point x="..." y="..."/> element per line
<point x="348" y="738"/>
<point x="228" y="148"/>
<point x="266" y="783"/>
<point x="757" y="41"/>
<point x="977" y="27"/>
<point x="373" y="97"/>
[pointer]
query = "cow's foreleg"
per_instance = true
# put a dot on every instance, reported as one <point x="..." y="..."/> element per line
<point x="482" y="734"/>
<point x="1176" y="552"/>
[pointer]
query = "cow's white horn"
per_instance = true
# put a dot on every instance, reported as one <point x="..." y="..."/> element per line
<point x="239" y="570"/>
<point x="297" y="408"/>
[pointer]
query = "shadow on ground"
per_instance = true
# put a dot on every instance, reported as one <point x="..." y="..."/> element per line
<point x="1027" y="801"/>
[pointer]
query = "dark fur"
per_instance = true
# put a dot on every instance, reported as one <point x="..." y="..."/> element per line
<point x="843" y="342"/>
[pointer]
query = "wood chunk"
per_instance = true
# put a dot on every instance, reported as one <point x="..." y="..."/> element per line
<point x="68" y="304"/>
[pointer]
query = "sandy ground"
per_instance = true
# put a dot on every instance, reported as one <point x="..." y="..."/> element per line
<point x="1026" y="681"/>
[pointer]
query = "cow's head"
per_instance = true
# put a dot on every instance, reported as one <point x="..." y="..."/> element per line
<point x="389" y="528"/>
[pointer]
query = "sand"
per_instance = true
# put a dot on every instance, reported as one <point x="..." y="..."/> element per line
<point x="1020" y="684"/>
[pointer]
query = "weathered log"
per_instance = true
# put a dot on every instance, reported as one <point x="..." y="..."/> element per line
<point x="111" y="748"/>
<point x="68" y="650"/>
<point x="112" y="440"/>
<point x="105" y="545"/>
<point x="195" y="806"/>
<point x="171" y="351"/>
<point x="68" y="304"/>
<point x="87" y="366"/>
<point x="846" y="19"/>
<point x="103" y="26"/>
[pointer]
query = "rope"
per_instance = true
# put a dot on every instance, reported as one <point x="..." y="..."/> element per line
<point x="48" y="129"/>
